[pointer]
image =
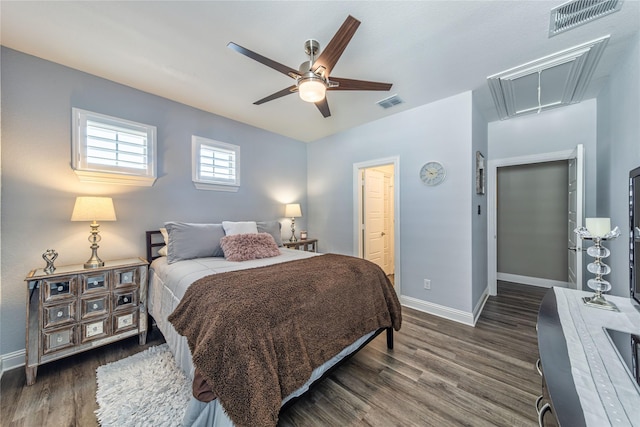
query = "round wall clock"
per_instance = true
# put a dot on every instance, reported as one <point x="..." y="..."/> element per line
<point x="432" y="173"/>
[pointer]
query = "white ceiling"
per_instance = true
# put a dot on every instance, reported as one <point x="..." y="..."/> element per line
<point x="429" y="50"/>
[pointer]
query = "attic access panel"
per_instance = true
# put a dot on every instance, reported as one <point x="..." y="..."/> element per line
<point x="545" y="88"/>
<point x="549" y="82"/>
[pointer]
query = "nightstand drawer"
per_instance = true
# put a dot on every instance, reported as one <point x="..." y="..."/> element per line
<point x="96" y="282"/>
<point x="59" y="314"/>
<point x="94" y="329"/>
<point x="126" y="277"/>
<point x="58" y="339"/>
<point x="60" y="288"/>
<point x="94" y="306"/>
<point x="125" y="321"/>
<point x="126" y="299"/>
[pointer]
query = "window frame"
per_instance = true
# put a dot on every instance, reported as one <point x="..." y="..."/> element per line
<point x="106" y="174"/>
<point x="213" y="184"/>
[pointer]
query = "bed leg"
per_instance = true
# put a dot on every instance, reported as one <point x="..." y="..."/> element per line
<point x="390" y="338"/>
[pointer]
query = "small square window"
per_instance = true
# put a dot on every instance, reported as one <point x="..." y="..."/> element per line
<point x="110" y="150"/>
<point x="215" y="164"/>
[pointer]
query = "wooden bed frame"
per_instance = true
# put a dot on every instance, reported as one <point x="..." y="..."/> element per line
<point x="155" y="242"/>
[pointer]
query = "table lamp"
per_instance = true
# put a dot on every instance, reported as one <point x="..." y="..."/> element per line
<point x="293" y="211"/>
<point x="94" y="209"/>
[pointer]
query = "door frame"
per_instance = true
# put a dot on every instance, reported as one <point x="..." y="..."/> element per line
<point x="357" y="212"/>
<point x="492" y="205"/>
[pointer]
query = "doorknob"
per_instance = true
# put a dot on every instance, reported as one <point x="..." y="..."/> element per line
<point x="382" y="233"/>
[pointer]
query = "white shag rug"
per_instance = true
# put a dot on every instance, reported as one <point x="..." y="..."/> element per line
<point x="146" y="389"/>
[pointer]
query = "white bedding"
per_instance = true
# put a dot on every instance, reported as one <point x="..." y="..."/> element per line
<point x="168" y="284"/>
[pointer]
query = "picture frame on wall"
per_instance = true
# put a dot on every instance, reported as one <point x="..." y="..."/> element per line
<point x="480" y="174"/>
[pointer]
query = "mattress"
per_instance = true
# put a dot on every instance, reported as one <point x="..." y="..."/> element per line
<point x="168" y="284"/>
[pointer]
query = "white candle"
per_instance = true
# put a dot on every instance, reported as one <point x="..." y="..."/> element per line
<point x="598" y="227"/>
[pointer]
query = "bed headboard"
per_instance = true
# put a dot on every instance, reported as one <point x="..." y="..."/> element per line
<point x="154" y="243"/>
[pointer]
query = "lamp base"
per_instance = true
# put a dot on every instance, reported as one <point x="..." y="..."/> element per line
<point x="293" y="231"/>
<point x="598" y="301"/>
<point x="94" y="261"/>
<point x="93" y="264"/>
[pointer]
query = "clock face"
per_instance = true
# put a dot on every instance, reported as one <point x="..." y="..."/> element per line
<point x="432" y="173"/>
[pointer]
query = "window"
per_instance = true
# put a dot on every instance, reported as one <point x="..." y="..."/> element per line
<point x="216" y="165"/>
<point x="111" y="150"/>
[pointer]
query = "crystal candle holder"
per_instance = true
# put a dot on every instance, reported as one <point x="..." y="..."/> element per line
<point x="599" y="268"/>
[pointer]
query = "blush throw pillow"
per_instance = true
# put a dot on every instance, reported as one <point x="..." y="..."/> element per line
<point x="245" y="247"/>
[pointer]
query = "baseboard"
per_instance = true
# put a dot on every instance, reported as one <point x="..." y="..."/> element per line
<point x="532" y="281"/>
<point x="477" y="311"/>
<point x="11" y="360"/>
<point x="438" y="310"/>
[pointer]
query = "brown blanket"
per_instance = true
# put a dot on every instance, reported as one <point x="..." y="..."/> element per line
<point x="255" y="335"/>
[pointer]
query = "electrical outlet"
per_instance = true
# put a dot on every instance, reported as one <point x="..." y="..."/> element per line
<point x="427" y="284"/>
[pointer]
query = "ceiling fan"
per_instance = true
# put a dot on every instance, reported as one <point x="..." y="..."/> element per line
<point x="312" y="78"/>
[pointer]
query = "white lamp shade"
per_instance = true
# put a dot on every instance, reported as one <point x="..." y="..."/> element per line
<point x="312" y="90"/>
<point x="292" y="210"/>
<point x="93" y="209"/>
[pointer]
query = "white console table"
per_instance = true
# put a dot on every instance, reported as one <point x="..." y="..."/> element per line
<point x="585" y="381"/>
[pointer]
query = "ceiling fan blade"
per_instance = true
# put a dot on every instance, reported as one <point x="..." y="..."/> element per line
<point x="323" y="106"/>
<point x="330" y="55"/>
<point x="350" y="84"/>
<point x="279" y="94"/>
<point x="264" y="60"/>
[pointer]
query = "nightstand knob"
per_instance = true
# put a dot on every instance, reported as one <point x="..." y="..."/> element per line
<point x="125" y="299"/>
<point x="60" y="313"/>
<point x="59" y="339"/>
<point x="60" y="288"/>
<point x="95" y="306"/>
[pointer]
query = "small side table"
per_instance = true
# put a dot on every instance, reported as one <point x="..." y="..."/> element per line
<point x="309" y="245"/>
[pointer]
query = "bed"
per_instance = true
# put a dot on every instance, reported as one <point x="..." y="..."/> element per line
<point x="178" y="299"/>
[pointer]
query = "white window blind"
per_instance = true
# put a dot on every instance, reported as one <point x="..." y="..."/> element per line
<point x="112" y="150"/>
<point x="116" y="146"/>
<point x="216" y="165"/>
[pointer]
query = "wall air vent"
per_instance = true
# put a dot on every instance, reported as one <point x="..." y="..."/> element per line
<point x="389" y="102"/>
<point x="577" y="12"/>
<point x="552" y="81"/>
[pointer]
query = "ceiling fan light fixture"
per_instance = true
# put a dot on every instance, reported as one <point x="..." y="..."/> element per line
<point x="312" y="88"/>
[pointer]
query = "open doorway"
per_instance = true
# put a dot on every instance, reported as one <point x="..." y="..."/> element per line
<point x="573" y="219"/>
<point x="376" y="210"/>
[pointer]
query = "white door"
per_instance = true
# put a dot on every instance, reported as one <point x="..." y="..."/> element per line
<point x="374" y="217"/>
<point x="576" y="213"/>
<point x="388" y="224"/>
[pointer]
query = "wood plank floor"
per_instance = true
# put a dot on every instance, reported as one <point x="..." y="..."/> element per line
<point x="441" y="373"/>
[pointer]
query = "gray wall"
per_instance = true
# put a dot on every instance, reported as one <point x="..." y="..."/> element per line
<point x="435" y="222"/>
<point x="532" y="220"/>
<point x="618" y="153"/>
<point x="39" y="187"/>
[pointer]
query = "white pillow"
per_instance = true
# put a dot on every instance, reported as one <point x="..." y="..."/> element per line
<point x="165" y="235"/>
<point x="239" y="227"/>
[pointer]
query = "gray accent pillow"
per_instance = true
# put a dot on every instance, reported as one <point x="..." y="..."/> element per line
<point x="189" y="241"/>
<point x="272" y="227"/>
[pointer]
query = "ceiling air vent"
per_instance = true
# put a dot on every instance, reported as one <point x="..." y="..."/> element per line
<point x="577" y="12"/>
<point x="390" y="101"/>
<point x="553" y="81"/>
